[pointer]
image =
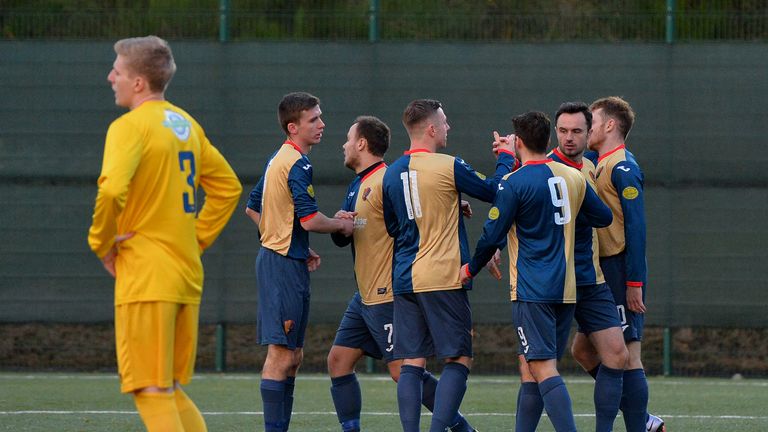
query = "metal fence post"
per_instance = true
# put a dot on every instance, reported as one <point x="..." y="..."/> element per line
<point x="373" y="21"/>
<point x="667" y="351"/>
<point x="221" y="347"/>
<point x="223" y="20"/>
<point x="671" y="21"/>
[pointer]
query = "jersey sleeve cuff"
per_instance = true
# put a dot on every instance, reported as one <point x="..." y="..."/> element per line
<point x="308" y="217"/>
<point x="634" y="284"/>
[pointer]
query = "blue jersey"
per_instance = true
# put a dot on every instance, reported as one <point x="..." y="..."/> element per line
<point x="284" y="196"/>
<point x="535" y="213"/>
<point x="422" y="194"/>
<point x="586" y="246"/>
<point x="620" y="185"/>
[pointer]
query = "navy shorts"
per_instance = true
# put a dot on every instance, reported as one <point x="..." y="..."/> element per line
<point x="595" y="309"/>
<point x="542" y="328"/>
<point x="435" y="323"/>
<point x="283" y="309"/>
<point x="615" y="275"/>
<point x="368" y="328"/>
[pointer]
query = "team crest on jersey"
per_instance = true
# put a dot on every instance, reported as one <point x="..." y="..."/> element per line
<point x="366" y="192"/>
<point x="630" y="192"/>
<point x="592" y="175"/>
<point x="599" y="170"/>
<point x="311" y="191"/>
<point x="177" y="124"/>
<point x="480" y="175"/>
<point x="493" y="213"/>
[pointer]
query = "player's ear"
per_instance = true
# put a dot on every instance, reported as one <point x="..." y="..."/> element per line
<point x="293" y="128"/>
<point x="362" y="143"/>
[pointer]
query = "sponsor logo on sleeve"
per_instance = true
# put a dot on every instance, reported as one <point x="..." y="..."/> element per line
<point x="480" y="175"/>
<point x="630" y="192"/>
<point x="311" y="191"/>
<point x="493" y="213"/>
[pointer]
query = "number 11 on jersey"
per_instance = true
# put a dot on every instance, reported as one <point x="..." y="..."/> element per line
<point x="411" y="194"/>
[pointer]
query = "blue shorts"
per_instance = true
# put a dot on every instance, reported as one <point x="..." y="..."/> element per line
<point x="542" y="328"/>
<point x="615" y="275"/>
<point x="368" y="328"/>
<point x="283" y="310"/>
<point x="595" y="309"/>
<point x="435" y="323"/>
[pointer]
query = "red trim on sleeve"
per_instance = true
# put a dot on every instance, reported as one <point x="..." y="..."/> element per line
<point x="308" y="217"/>
<point x="407" y="152"/>
<point x="466" y="270"/>
<point x="298" y="149"/>
<point x="621" y="147"/>
<point x="566" y="160"/>
<point x="634" y="284"/>
<point x="509" y="152"/>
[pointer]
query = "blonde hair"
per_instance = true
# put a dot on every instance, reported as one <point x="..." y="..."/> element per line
<point x="150" y="57"/>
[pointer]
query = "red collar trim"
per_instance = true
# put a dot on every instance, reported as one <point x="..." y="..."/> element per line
<point x="538" y="162"/>
<point x="566" y="160"/>
<point x="298" y="149"/>
<point x="380" y="166"/>
<point x="621" y="147"/>
<point x="408" y="152"/>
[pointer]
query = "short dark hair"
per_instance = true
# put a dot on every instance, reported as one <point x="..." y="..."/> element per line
<point x="376" y="132"/>
<point x="290" y="108"/>
<point x="617" y="109"/>
<point x="575" y="108"/>
<point x="419" y="110"/>
<point x="533" y="128"/>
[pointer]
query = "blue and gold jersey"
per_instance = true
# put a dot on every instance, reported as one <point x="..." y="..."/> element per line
<point x="371" y="246"/>
<point x="620" y="185"/>
<point x="586" y="246"/>
<point x="535" y="209"/>
<point x="422" y="194"/>
<point x="284" y="197"/>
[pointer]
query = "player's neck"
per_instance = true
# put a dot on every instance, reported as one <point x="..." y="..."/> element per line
<point x="304" y="147"/>
<point x="367" y="162"/>
<point x="529" y="156"/>
<point x="610" y="145"/>
<point x="146" y="97"/>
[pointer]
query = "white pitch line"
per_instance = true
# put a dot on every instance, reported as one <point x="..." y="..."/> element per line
<point x="372" y="413"/>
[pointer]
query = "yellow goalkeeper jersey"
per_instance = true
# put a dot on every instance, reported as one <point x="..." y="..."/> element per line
<point x="156" y="157"/>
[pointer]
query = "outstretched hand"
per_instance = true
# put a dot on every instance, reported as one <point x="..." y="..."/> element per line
<point x="506" y="143"/>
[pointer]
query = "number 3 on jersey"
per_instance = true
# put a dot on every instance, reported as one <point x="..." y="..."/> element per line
<point x="187" y="166"/>
<point x="558" y="191"/>
<point x="411" y="194"/>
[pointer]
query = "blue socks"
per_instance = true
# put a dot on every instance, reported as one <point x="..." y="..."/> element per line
<point x="345" y="391"/>
<point x="273" y="398"/>
<point x="290" y="384"/>
<point x="557" y="402"/>
<point x="634" y="400"/>
<point x="429" y="385"/>
<point x="529" y="407"/>
<point x="409" y="388"/>
<point x="448" y="396"/>
<point x="608" y="389"/>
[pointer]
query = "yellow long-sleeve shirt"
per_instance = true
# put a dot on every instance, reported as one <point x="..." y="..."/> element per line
<point x="155" y="158"/>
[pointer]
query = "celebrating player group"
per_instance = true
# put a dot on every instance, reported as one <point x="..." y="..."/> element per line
<point x="571" y="222"/>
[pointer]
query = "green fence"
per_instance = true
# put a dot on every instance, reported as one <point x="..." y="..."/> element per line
<point x="510" y="20"/>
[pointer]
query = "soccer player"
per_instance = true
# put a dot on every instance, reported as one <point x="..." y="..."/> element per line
<point x="422" y="192"/>
<point x="536" y="208"/>
<point x="622" y="252"/>
<point x="366" y="328"/>
<point x="149" y="230"/>
<point x="283" y="206"/>
<point x="596" y="313"/>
